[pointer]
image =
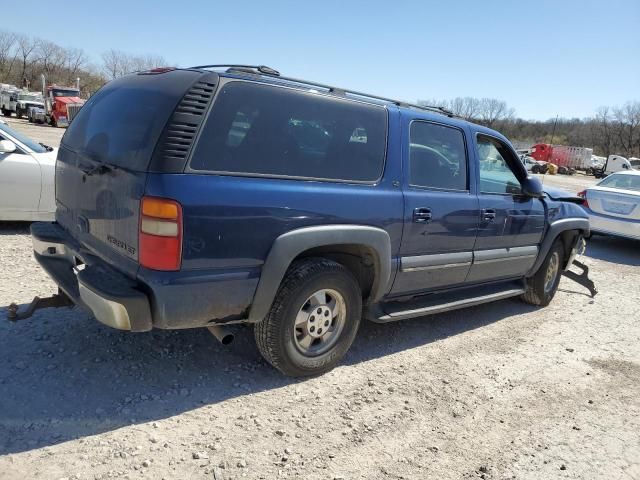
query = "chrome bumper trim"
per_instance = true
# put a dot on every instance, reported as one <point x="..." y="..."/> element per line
<point x="110" y="313"/>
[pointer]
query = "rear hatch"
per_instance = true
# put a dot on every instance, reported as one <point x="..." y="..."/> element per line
<point x="104" y="158"/>
<point x="614" y="203"/>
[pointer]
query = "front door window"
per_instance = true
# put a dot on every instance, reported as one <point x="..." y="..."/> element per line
<point x="495" y="174"/>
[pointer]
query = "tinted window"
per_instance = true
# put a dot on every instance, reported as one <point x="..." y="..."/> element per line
<point x="495" y="174"/>
<point x="259" y="129"/>
<point x="120" y="125"/>
<point x="437" y="157"/>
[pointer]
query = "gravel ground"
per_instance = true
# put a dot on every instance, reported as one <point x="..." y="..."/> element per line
<point x="498" y="391"/>
<point x="571" y="183"/>
<point x="42" y="133"/>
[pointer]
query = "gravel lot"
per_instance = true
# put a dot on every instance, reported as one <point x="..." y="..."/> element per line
<point x="42" y="133"/>
<point x="498" y="391"/>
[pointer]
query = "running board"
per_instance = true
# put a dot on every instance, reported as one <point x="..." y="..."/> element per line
<point x="438" y="303"/>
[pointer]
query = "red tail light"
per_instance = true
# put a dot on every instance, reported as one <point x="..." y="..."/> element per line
<point x="160" y="241"/>
<point x="583" y="195"/>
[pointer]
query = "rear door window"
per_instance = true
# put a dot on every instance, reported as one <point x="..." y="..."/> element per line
<point x="273" y="131"/>
<point x="437" y="157"/>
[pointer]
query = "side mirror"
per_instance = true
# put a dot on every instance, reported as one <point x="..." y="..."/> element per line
<point x="532" y="187"/>
<point x="7" y="146"/>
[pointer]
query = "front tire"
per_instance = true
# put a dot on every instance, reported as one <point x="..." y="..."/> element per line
<point x="542" y="287"/>
<point x="313" y="320"/>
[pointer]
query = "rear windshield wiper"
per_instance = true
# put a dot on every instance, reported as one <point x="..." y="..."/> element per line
<point x="46" y="147"/>
<point x="99" y="169"/>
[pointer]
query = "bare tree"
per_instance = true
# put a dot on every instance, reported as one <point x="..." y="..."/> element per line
<point x="26" y="47"/>
<point x="75" y="61"/>
<point x="627" y="127"/>
<point x="146" y="62"/>
<point x="115" y="63"/>
<point x="7" y="53"/>
<point x="602" y="130"/>
<point x="118" y="63"/>
<point x="52" y="58"/>
<point x="465" y="107"/>
<point x="492" y="110"/>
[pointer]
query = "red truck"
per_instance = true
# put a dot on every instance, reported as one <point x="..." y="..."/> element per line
<point x="568" y="159"/>
<point x="61" y="104"/>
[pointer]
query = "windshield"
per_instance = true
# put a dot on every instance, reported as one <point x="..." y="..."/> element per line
<point x="35" y="146"/>
<point x="622" y="181"/>
<point x="29" y="97"/>
<point x="635" y="163"/>
<point x="65" y="93"/>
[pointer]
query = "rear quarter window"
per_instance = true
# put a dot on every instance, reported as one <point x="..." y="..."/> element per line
<point x="273" y="131"/>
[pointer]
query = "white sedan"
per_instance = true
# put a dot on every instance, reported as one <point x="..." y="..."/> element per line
<point x="613" y="205"/>
<point x="27" y="170"/>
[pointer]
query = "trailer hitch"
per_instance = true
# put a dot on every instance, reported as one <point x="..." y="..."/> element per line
<point x="59" y="299"/>
<point x="582" y="278"/>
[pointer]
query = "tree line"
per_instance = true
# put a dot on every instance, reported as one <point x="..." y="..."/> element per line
<point x="611" y="130"/>
<point x="24" y="59"/>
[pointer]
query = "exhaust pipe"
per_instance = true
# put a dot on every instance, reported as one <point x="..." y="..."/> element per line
<point x="223" y="334"/>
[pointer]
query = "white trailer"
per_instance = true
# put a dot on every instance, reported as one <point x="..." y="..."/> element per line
<point x="615" y="163"/>
<point x="8" y="99"/>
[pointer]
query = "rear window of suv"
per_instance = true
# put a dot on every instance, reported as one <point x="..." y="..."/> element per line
<point x="273" y="131"/>
<point x="121" y="124"/>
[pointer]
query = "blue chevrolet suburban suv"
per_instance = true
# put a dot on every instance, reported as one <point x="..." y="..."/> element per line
<point x="216" y="195"/>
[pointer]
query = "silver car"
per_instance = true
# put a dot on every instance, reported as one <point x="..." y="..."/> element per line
<point x="613" y="205"/>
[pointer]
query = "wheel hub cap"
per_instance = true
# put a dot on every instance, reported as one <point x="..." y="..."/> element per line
<point x="319" y="322"/>
<point x="552" y="271"/>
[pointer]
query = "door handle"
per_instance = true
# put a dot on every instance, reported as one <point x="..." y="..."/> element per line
<point x="488" y="214"/>
<point x="422" y="215"/>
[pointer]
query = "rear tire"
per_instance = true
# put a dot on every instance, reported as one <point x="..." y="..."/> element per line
<point x="542" y="287"/>
<point x="313" y="320"/>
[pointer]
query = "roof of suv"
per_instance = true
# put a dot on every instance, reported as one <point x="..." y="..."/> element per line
<point x="270" y="76"/>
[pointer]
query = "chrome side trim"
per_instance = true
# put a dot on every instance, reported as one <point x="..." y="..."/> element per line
<point x="434" y="262"/>
<point x="501" y="254"/>
<point x="112" y="314"/>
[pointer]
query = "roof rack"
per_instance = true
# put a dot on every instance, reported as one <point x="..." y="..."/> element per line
<point x="271" y="72"/>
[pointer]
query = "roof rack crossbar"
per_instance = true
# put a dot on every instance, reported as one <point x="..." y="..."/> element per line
<point x="270" y="72"/>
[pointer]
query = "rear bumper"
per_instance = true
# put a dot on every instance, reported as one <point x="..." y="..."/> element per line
<point x="614" y="225"/>
<point x="110" y="296"/>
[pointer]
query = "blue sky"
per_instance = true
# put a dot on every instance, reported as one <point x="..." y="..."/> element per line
<point x="543" y="57"/>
